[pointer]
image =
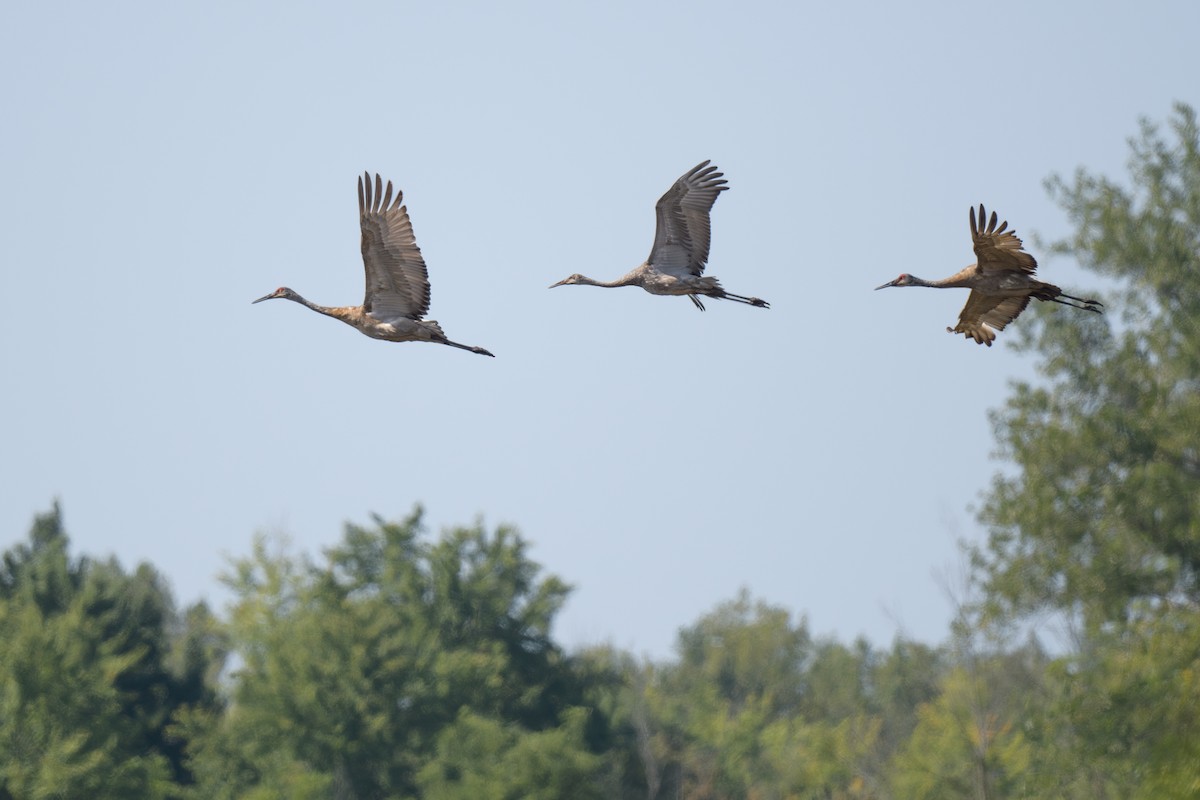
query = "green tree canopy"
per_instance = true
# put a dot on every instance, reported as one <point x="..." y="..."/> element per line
<point x="94" y="672"/>
<point x="755" y="707"/>
<point x="354" y="670"/>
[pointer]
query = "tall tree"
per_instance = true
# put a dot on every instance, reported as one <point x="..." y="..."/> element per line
<point x="88" y="693"/>
<point x="1100" y="521"/>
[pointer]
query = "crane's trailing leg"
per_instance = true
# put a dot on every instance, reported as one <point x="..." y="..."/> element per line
<point x="1056" y="295"/>
<point x="721" y="294"/>
<point x="1086" y="305"/>
<point x="479" y="350"/>
<point x="750" y="301"/>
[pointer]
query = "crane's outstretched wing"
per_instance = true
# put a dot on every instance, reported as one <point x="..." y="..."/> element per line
<point x="998" y="247"/>
<point x="397" y="281"/>
<point x="983" y="315"/>
<point x="682" y="237"/>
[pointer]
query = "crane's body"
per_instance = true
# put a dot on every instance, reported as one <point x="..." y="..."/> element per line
<point x="682" y="236"/>
<point x="1001" y="282"/>
<point x="397" y="295"/>
<point x="397" y="330"/>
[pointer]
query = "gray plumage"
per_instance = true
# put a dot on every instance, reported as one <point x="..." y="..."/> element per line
<point x="397" y="295"/>
<point x="676" y="262"/>
<point x="1001" y="282"/>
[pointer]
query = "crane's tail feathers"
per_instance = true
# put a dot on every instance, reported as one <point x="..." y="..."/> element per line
<point x="696" y="301"/>
<point x="478" y="350"/>
<point x="750" y="301"/>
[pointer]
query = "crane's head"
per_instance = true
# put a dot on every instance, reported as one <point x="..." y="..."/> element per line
<point x="904" y="280"/>
<point x="568" y="281"/>
<point x="282" y="291"/>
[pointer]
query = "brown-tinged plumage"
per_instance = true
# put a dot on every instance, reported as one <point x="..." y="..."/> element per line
<point x="397" y="294"/>
<point x="1001" y="282"/>
<point x="676" y="262"/>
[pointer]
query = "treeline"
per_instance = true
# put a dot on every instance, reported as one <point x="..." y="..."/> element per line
<point x="402" y="667"/>
<point x="399" y="665"/>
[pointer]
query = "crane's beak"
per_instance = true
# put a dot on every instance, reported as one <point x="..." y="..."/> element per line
<point x="264" y="297"/>
<point x="889" y="283"/>
<point x="560" y="283"/>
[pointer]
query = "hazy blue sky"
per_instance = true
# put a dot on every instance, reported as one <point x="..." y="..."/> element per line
<point x="164" y="164"/>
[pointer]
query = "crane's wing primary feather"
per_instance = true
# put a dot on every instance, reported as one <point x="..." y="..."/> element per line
<point x="397" y="280"/>
<point x="682" y="237"/>
<point x="996" y="247"/>
<point x="983" y="315"/>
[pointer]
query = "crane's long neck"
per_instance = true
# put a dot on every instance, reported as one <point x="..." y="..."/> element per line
<point x="624" y="280"/>
<point x="337" y="312"/>
<point x="962" y="278"/>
